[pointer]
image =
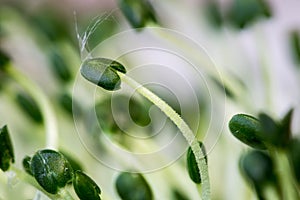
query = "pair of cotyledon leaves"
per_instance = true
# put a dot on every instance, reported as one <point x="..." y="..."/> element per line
<point x="52" y="170"/>
<point x="262" y="132"/>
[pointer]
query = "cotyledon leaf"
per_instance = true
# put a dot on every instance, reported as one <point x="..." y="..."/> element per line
<point x="103" y="72"/>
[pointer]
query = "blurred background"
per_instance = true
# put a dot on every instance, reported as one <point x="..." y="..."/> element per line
<point x="239" y="57"/>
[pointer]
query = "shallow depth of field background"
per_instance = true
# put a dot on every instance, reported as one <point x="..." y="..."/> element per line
<point x="255" y="62"/>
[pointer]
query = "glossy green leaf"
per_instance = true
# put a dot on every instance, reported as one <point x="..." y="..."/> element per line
<point x="138" y="111"/>
<point x="51" y="170"/>
<point x="192" y="166"/>
<point x="29" y="107"/>
<point x="247" y="129"/>
<point x="85" y="187"/>
<point x="103" y="72"/>
<point x="6" y="149"/>
<point x="138" y="13"/>
<point x="132" y="186"/>
<point x="27" y="165"/>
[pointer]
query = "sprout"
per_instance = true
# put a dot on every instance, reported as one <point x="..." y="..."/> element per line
<point x="59" y="66"/>
<point x="213" y="13"/>
<point x="51" y="170"/>
<point x="247" y="129"/>
<point x="6" y="149"/>
<point x="132" y="186"/>
<point x="27" y="165"/>
<point x="192" y="164"/>
<point x="138" y="13"/>
<point x="244" y="12"/>
<point x="85" y="187"/>
<point x="103" y="72"/>
<point x="69" y="104"/>
<point x="29" y="107"/>
<point x="257" y="167"/>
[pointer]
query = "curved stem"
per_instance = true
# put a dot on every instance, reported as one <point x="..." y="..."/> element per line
<point x="182" y="126"/>
<point x="43" y="103"/>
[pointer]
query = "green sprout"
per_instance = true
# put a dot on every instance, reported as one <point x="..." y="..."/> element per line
<point x="138" y="13"/>
<point x="247" y="129"/>
<point x="85" y="187"/>
<point x="103" y="72"/>
<point x="51" y="170"/>
<point x="275" y="137"/>
<point x="131" y="186"/>
<point x="192" y="164"/>
<point x="108" y="74"/>
<point x="6" y="149"/>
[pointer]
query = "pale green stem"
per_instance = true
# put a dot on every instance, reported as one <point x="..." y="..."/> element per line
<point x="42" y="102"/>
<point x="284" y="172"/>
<point x="182" y="126"/>
<point x="270" y="193"/>
<point x="263" y="51"/>
<point x="23" y="176"/>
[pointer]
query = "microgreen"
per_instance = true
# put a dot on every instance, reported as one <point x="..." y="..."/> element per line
<point x="85" y="187"/>
<point x="213" y="13"/>
<point x="138" y="13"/>
<point x="247" y="129"/>
<point x="192" y="164"/>
<point x="51" y="170"/>
<point x="6" y="149"/>
<point x="69" y="104"/>
<point x="27" y="165"/>
<point x="258" y="168"/>
<point x="59" y="66"/>
<point x="271" y="166"/>
<point x="243" y="12"/>
<point x="103" y="72"/>
<point x="29" y="107"/>
<point x="95" y="71"/>
<point x="133" y="186"/>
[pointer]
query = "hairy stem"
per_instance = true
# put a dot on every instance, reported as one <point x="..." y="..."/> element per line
<point x="182" y="126"/>
<point x="43" y="103"/>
